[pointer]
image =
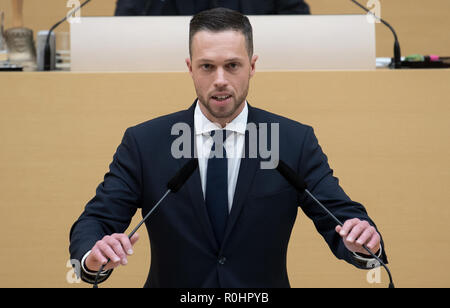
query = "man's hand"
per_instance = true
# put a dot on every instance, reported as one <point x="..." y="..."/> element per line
<point x="356" y="233"/>
<point x="114" y="247"/>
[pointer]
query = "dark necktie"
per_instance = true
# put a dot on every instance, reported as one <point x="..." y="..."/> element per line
<point x="216" y="195"/>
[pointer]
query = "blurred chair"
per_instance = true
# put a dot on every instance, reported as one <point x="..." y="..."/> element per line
<point x="192" y="7"/>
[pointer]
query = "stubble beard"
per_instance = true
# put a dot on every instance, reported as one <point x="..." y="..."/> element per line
<point x="230" y="115"/>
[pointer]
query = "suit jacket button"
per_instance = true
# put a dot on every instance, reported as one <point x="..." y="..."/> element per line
<point x="222" y="260"/>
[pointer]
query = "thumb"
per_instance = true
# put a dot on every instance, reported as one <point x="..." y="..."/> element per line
<point x="134" y="238"/>
<point x="338" y="228"/>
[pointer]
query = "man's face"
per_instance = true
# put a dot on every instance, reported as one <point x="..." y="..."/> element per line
<point x="221" y="70"/>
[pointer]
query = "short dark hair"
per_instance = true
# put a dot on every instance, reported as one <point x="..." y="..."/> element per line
<point x="221" y="19"/>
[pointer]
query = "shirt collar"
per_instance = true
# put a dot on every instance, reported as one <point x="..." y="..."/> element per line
<point x="204" y="126"/>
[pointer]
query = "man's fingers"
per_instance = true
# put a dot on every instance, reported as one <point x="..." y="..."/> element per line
<point x="356" y="233"/>
<point x="108" y="252"/>
<point x="125" y="242"/>
<point x="374" y="242"/>
<point x="111" y="251"/>
<point x="98" y="256"/>
<point x="116" y="245"/>
<point x="348" y="226"/>
<point x="357" y="230"/>
<point x="134" y="238"/>
<point x="365" y="236"/>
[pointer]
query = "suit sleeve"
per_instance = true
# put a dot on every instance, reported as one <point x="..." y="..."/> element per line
<point x="116" y="200"/>
<point x="291" y="7"/>
<point x="318" y="176"/>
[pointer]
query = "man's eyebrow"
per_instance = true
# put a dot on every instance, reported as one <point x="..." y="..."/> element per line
<point x="204" y="60"/>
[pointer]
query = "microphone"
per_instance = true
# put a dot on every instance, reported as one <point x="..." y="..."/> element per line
<point x="296" y="181"/>
<point x="172" y="186"/>
<point x="397" y="61"/>
<point x="47" y="51"/>
<point x="182" y="175"/>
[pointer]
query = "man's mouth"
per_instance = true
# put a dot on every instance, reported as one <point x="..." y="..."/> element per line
<point x="221" y="98"/>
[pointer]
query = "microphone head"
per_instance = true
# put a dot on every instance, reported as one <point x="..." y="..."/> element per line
<point x="293" y="178"/>
<point x="182" y="175"/>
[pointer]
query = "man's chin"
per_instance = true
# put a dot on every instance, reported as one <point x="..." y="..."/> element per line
<point x="221" y="111"/>
<point x="222" y="115"/>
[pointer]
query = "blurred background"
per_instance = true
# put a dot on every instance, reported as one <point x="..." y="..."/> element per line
<point x="422" y="26"/>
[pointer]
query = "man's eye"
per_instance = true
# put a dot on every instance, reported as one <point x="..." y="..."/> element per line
<point x="233" y="65"/>
<point x="206" y="66"/>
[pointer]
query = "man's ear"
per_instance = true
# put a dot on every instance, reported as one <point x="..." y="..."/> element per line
<point x="253" y="65"/>
<point x="189" y="65"/>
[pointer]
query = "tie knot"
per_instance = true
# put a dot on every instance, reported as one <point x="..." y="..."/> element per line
<point x="219" y="136"/>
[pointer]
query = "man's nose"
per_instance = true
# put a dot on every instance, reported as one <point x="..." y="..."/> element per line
<point x="220" y="78"/>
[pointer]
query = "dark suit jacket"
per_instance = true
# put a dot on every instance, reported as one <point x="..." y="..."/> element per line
<point x="192" y="7"/>
<point x="184" y="252"/>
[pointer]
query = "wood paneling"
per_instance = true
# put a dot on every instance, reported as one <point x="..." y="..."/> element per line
<point x="385" y="133"/>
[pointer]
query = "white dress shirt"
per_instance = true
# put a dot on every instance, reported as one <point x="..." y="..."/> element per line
<point x="234" y="146"/>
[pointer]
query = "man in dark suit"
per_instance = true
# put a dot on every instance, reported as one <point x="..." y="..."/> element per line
<point x="230" y="224"/>
<point x="192" y="7"/>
